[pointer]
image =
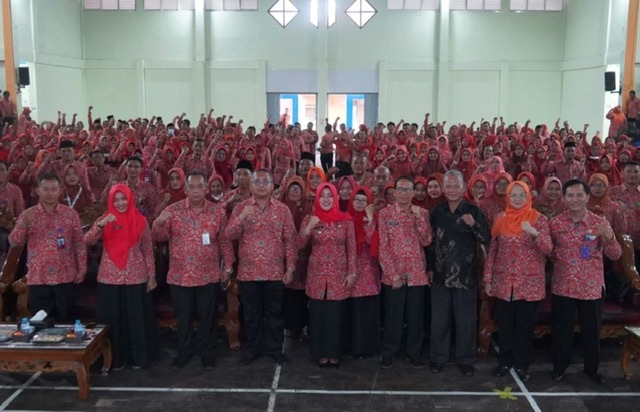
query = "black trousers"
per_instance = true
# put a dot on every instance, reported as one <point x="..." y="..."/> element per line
<point x="58" y="301"/>
<point x="326" y="328"/>
<point x="188" y="300"/>
<point x="128" y="311"/>
<point x="516" y="322"/>
<point x="295" y="310"/>
<point x="263" y="320"/>
<point x="563" y="315"/>
<point x="454" y="309"/>
<point x="326" y="161"/>
<point x="365" y="325"/>
<point x="403" y="305"/>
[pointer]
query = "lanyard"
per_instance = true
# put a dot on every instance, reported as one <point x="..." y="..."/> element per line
<point x="75" y="200"/>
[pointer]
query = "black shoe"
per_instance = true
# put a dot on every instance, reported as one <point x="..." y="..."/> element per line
<point x="436" y="367"/>
<point x="180" y="361"/>
<point x="557" y="375"/>
<point x="250" y="358"/>
<point x="280" y="359"/>
<point x="385" y="362"/>
<point x="334" y="365"/>
<point x="467" y="370"/>
<point x="500" y="371"/>
<point x="323" y="365"/>
<point x="208" y="362"/>
<point x="597" y="378"/>
<point x="416" y="362"/>
<point x="524" y="375"/>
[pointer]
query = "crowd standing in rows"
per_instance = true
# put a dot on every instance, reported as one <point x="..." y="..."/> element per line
<point x="399" y="221"/>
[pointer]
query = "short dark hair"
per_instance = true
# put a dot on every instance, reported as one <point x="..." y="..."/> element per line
<point x="198" y="141"/>
<point x="195" y="173"/>
<point x="65" y="144"/>
<point x="631" y="163"/>
<point x="133" y="159"/>
<point x="48" y="177"/>
<point x="575" y="182"/>
<point x="405" y="178"/>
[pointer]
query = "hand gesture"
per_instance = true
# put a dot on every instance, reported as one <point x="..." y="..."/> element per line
<point x="605" y="231"/>
<point x="350" y="281"/>
<point x="369" y="210"/>
<point x="313" y="222"/>
<point x="416" y="211"/>
<point x="287" y="278"/>
<point x="167" y="197"/>
<point x="164" y="216"/>
<point x="107" y="219"/>
<point x="151" y="284"/>
<point x="246" y="212"/>
<point x="468" y="219"/>
<point x="397" y="284"/>
<point x="526" y="227"/>
<point x="487" y="289"/>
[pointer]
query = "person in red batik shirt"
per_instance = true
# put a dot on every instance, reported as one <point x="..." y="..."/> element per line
<point x="267" y="254"/>
<point x="127" y="273"/>
<point x="331" y="274"/>
<point x="57" y="252"/>
<point x="194" y="228"/>
<point x="580" y="239"/>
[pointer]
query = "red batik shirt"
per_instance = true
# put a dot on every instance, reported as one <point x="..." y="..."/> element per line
<point x="515" y="265"/>
<point x="403" y="238"/>
<point x="574" y="276"/>
<point x="266" y="241"/>
<point x="631" y="200"/>
<point x="140" y="267"/>
<point x="49" y="264"/>
<point x="11" y="198"/>
<point x="191" y="261"/>
<point x="191" y="164"/>
<point x="367" y="268"/>
<point x="332" y="259"/>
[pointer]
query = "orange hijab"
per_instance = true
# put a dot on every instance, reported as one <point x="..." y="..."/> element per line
<point x="125" y="232"/>
<point x="509" y="223"/>
<point x="596" y="204"/>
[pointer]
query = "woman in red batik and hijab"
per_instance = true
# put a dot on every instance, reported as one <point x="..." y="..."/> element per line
<point x="550" y="201"/>
<point x="435" y="195"/>
<point x="126" y="275"/>
<point x="420" y="196"/>
<point x="514" y="273"/>
<point x="494" y="168"/>
<point x="216" y="188"/>
<point x="465" y="163"/>
<point x="345" y="186"/>
<point x="497" y="202"/>
<point x="174" y="191"/>
<point x="222" y="166"/>
<point x="601" y="204"/>
<point x="609" y="169"/>
<point x="74" y="195"/>
<point x="400" y="164"/>
<point x="365" y="295"/>
<point x="331" y="274"/>
<point x="295" y="300"/>
<point x="433" y="163"/>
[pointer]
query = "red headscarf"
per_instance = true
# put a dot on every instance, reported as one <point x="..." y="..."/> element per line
<point x="433" y="202"/>
<point x="509" y="223"/>
<point x="333" y="215"/>
<point x="176" y="194"/>
<point x="472" y="182"/>
<point x="422" y="203"/>
<point x="531" y="178"/>
<point x="300" y="208"/>
<point x="125" y="232"/>
<point x="358" y="217"/>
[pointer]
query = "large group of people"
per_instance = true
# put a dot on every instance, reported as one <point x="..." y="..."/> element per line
<point x="356" y="256"/>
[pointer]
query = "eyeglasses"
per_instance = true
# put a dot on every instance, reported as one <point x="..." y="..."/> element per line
<point x="359" y="200"/>
<point x="296" y="188"/>
<point x="502" y="183"/>
<point x="404" y="189"/>
<point x="265" y="182"/>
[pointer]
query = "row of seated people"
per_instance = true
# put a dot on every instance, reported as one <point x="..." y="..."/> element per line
<point x="346" y="186"/>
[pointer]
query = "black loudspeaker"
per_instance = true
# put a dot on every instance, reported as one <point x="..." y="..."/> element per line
<point x="23" y="76"/>
<point x="609" y="81"/>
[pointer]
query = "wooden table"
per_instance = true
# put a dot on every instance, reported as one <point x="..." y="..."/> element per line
<point x="631" y="349"/>
<point x="60" y="357"/>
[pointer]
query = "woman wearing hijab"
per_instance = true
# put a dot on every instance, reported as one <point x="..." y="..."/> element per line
<point x="420" y="196"/>
<point x="315" y="178"/>
<point x="497" y="202"/>
<point x="74" y="195"/>
<point x="609" y="169"/>
<point x="530" y="180"/>
<point x="400" y="164"/>
<point x="435" y="194"/>
<point x="174" y="191"/>
<point x="222" y="166"/>
<point x="331" y="273"/>
<point x="295" y="301"/>
<point x="550" y="201"/>
<point x="432" y="164"/>
<point x="465" y="163"/>
<point x="345" y="186"/>
<point x="601" y="204"/>
<point x="494" y="168"/>
<point x="514" y="273"/>
<point x="125" y="276"/>
<point x="365" y="295"/>
<point x="215" y="189"/>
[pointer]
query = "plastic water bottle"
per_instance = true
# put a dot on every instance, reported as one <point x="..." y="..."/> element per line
<point x="25" y="327"/>
<point x="78" y="329"/>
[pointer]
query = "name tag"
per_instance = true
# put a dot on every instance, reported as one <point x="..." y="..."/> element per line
<point x="206" y="240"/>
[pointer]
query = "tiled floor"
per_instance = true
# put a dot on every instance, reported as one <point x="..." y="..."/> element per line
<point x="358" y="385"/>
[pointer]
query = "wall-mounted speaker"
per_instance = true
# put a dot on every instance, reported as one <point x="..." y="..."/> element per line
<point x="609" y="81"/>
<point x="23" y="76"/>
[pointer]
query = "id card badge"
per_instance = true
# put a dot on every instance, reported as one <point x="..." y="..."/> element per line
<point x="206" y="240"/>
<point x="584" y="252"/>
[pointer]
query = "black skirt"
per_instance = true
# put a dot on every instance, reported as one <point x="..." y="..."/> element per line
<point x="128" y="311"/>
<point x="326" y="325"/>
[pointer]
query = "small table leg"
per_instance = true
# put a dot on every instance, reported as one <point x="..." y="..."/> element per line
<point x="625" y="358"/>
<point x="107" y="358"/>
<point x="82" y="374"/>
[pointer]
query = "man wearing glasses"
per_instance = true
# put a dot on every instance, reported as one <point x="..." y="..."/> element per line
<point x="267" y="255"/>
